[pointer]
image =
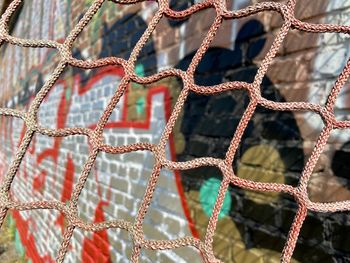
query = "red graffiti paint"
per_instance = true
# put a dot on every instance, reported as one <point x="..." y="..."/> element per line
<point x="99" y="245"/>
<point x="28" y="240"/>
<point x="39" y="181"/>
<point x="67" y="188"/>
<point x="97" y="249"/>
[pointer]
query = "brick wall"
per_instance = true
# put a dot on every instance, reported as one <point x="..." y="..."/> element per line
<point x="253" y="226"/>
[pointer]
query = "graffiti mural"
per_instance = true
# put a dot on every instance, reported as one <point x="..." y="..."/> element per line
<point x="93" y="90"/>
<point x="252" y="226"/>
<point x="331" y="50"/>
<point x="208" y="125"/>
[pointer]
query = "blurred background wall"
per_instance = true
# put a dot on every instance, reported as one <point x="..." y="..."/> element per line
<point x="252" y="226"/>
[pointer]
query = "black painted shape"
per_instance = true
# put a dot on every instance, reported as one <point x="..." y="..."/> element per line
<point x="195" y="177"/>
<point x="118" y="41"/>
<point x="255" y="48"/>
<point x="217" y="116"/>
<point x="282" y="130"/>
<point x="219" y="59"/>
<point x="193" y="111"/>
<point x="222" y="106"/>
<point x="244" y="73"/>
<point x="179" y="5"/>
<point x="25" y="94"/>
<point x="39" y="83"/>
<point x="340" y="162"/>
<point x="293" y="158"/>
<point x="217" y="127"/>
<point x="214" y="64"/>
<point x="250" y="30"/>
<point x="340" y="237"/>
<point x="209" y="123"/>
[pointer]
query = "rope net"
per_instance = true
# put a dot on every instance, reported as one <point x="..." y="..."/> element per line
<point x="69" y="209"/>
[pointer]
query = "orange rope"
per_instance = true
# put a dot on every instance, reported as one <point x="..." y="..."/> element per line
<point x="286" y="10"/>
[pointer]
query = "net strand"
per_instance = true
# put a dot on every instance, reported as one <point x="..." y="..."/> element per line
<point x="95" y="136"/>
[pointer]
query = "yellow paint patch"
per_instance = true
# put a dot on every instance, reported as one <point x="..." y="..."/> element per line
<point x="262" y="163"/>
<point x="228" y="244"/>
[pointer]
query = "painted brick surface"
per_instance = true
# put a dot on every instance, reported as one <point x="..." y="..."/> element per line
<point x="252" y="226"/>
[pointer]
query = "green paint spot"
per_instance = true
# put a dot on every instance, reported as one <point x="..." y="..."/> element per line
<point x="140" y="105"/>
<point x="136" y="85"/>
<point x="68" y="93"/>
<point x="18" y="244"/>
<point x="140" y="70"/>
<point x="11" y="222"/>
<point x="88" y="2"/>
<point x="207" y="197"/>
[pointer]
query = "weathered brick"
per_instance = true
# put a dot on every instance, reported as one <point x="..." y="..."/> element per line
<point x="120" y="184"/>
<point x="152" y="232"/>
<point x="340" y="237"/>
<point x="312" y="227"/>
<point x="264" y="214"/>
<point x="304" y="70"/>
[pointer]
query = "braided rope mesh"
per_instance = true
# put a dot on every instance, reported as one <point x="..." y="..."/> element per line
<point x="69" y="209"/>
